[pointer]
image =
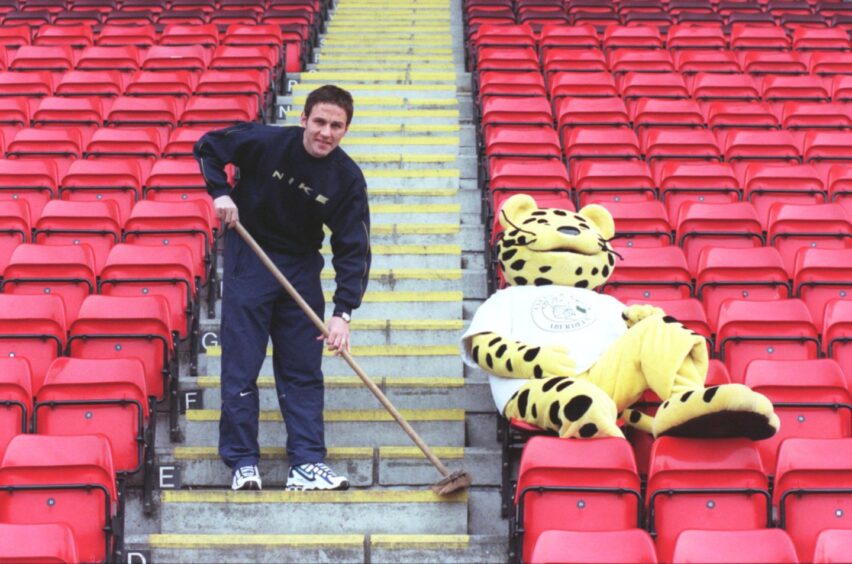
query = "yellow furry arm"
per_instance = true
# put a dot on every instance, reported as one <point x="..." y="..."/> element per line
<point x="636" y="313"/>
<point x="513" y="359"/>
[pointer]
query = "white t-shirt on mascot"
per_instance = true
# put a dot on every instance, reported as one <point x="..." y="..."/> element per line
<point x="584" y="322"/>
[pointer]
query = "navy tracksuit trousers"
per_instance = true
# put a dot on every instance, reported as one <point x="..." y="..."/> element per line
<point x="254" y="308"/>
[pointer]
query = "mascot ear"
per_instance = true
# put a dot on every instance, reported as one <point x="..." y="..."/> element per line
<point x="602" y="219"/>
<point x="515" y="208"/>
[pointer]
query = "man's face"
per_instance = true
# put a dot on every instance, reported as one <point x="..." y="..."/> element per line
<point x="324" y="129"/>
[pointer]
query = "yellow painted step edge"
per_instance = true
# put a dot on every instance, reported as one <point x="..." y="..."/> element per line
<point x="409" y="249"/>
<point x="413" y="173"/>
<point x="352" y="382"/>
<point x="212" y="453"/>
<point x="381" y="350"/>
<point x="403" y="274"/>
<point x="344" y="415"/>
<point x="403" y="542"/>
<point x="415" y="208"/>
<point x="278" y="496"/>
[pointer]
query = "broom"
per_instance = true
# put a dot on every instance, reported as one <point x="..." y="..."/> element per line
<point x="451" y="481"/>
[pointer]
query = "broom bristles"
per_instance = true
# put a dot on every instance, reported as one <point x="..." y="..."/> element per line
<point x="452" y="483"/>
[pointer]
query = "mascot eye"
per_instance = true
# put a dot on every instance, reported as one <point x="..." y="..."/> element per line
<point x="569" y="230"/>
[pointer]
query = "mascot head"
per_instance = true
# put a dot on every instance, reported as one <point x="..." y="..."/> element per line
<point x="542" y="246"/>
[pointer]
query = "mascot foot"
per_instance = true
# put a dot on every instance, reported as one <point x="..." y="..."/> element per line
<point x="730" y="410"/>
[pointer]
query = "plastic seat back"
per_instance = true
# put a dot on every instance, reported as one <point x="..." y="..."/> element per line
<point x="32" y="328"/>
<point x="818" y="278"/>
<point x="34" y="181"/>
<point x="16" y="399"/>
<point x="755" y="546"/>
<point x="714" y="484"/>
<point x="813" y="489"/>
<point x="107" y="397"/>
<point x="597" y="181"/>
<point x="650" y="274"/>
<point x="733" y="225"/>
<point x="95" y="180"/>
<point x="628" y="546"/>
<point x="14" y="227"/>
<point x="837" y="333"/>
<point x="833" y="546"/>
<point x="693" y="181"/>
<point x="67" y="480"/>
<point x="47" y="542"/>
<point x="640" y="224"/>
<point x="796" y="227"/>
<point x="575" y="485"/>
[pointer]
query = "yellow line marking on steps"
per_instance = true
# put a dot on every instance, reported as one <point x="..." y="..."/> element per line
<point x="273" y="496"/>
<point x="415" y="192"/>
<point x="403" y="542"/>
<point x="399" y="87"/>
<point x="274" y="453"/>
<point x="415" y="229"/>
<point x="437" y="67"/>
<point x="394" y="297"/>
<point x="454" y="250"/>
<point x="378" y="350"/>
<point x="414" y="452"/>
<point x="343" y="415"/>
<point x="196" y="541"/>
<point x="335" y="76"/>
<point x="409" y="113"/>
<point x="413" y="173"/>
<point x="392" y="101"/>
<point x="404" y="128"/>
<point x="378" y="158"/>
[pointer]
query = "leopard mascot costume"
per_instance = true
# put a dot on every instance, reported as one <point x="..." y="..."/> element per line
<point x="568" y="359"/>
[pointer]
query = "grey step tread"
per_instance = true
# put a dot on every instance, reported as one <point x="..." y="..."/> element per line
<point x="371" y="511"/>
<point x="426" y="361"/>
<point x="200" y="466"/>
<point x="337" y="548"/>
<point x="363" y="427"/>
<point x="348" y="392"/>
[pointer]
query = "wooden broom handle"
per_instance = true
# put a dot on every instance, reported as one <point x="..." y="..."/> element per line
<point x="267" y="262"/>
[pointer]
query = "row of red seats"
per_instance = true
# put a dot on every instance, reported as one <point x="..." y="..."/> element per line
<point x="693" y="485"/>
<point x="600" y="13"/>
<point x="60" y="500"/>
<point x="687" y="36"/>
<point x="700" y="86"/>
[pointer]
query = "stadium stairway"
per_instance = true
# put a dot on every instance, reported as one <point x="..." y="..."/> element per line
<point x="413" y="136"/>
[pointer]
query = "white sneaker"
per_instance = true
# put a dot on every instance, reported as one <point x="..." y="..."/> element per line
<point x="246" y="478"/>
<point x="315" y="477"/>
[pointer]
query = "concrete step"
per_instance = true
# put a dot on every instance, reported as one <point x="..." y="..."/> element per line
<point x="414" y="213"/>
<point x="201" y="467"/>
<point x="376" y="77"/>
<point x="331" y="548"/>
<point x="433" y="178"/>
<point x="349" y="393"/>
<point x="377" y="361"/>
<point x="411" y="256"/>
<point x="369" y="427"/>
<point x="408" y="90"/>
<point x="390" y="511"/>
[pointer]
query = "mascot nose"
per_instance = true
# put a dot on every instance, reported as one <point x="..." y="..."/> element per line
<point x="569" y="230"/>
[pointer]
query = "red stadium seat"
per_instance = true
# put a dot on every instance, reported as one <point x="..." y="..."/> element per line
<point x="810" y="398"/>
<point x="841" y="88"/>
<point x="744" y="37"/>
<point x="67" y="480"/>
<point x="640" y="224"/>
<point x="770" y="185"/>
<point x="806" y="469"/>
<point x="67" y="271"/>
<point x="168" y="57"/>
<point x="571" y="59"/>
<point x="33" y="328"/>
<point x="704" y="484"/>
<point x="758" y="144"/>
<point x="626" y="546"/>
<point x="704" y="60"/>
<point x="34" y="84"/>
<point x="124" y="58"/>
<point x="32" y="181"/>
<point x="514" y="58"/>
<point x="136" y="143"/>
<point x="617" y="181"/>
<point x="650" y="274"/>
<point x="772" y="62"/>
<point x="104" y="83"/>
<point x="833" y="546"/>
<point x="206" y="35"/>
<point x="815" y="115"/>
<point x="717" y="86"/>
<point x="133" y="270"/>
<point x="837" y="334"/>
<point x="755" y="546"/>
<point x="106" y="397"/>
<point x="494" y="83"/>
<point x="243" y="82"/>
<point x="85" y="111"/>
<point x="777" y="88"/>
<point x="749" y="273"/>
<point x="503" y="36"/>
<point x="632" y="37"/>
<point x="633" y="85"/>
<point x="679" y="143"/>
<point x="98" y="179"/>
<point x="589" y="142"/>
<point x="695" y="37"/>
<point x="827" y="145"/>
<point x="218" y="112"/>
<point x="96" y="224"/>
<point x="76" y="36"/>
<point x="15" y="227"/>
<point x="574" y="485"/>
<point x="521" y="141"/>
<point x="839" y="183"/>
<point x="32" y="142"/>
<point x="573" y="112"/>
<point x="119" y="35"/>
<point x="738" y="113"/>
<point x="681" y="182"/>
<point x="581" y="84"/>
<point x="639" y="60"/>
<point x="831" y="39"/>
<point x="181" y="141"/>
<point x="16" y="399"/>
<point x="504" y="110"/>
<point x="794" y="227"/>
<point x="568" y="36"/>
<point x="15" y="36"/>
<point x="829" y="63"/>
<point x="654" y="112"/>
<point x="147" y="111"/>
<point x="175" y="180"/>
<point x="732" y="225"/>
<point x="770" y="330"/>
<point x="821" y="275"/>
<point x="181" y="83"/>
<point x="48" y="542"/>
<point x="55" y="58"/>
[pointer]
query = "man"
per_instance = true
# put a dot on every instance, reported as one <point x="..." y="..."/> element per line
<point x="291" y="181"/>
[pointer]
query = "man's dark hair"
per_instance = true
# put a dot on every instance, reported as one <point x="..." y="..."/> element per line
<point x="330" y="94"/>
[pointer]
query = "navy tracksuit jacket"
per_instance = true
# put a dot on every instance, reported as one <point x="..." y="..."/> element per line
<point x="284" y="196"/>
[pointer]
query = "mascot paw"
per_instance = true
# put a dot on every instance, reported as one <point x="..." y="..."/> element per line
<point x="730" y="410"/>
<point x="636" y="313"/>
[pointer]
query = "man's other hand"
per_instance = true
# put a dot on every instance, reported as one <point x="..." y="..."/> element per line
<point x="226" y="210"/>
<point x="338" y="335"/>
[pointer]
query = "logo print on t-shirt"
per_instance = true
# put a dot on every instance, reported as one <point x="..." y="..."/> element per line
<point x="559" y="312"/>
